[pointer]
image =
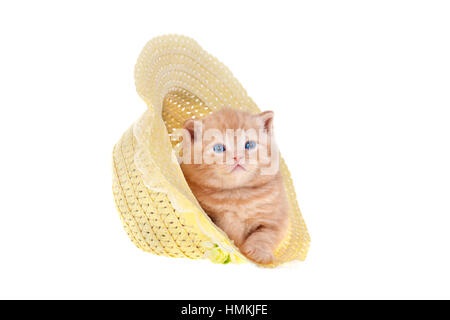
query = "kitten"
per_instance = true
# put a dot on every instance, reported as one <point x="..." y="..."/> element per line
<point x="245" y="199"/>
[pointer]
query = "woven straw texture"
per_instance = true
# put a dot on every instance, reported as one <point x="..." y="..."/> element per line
<point x="179" y="80"/>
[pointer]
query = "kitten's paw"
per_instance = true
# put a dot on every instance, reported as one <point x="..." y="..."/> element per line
<point x="258" y="255"/>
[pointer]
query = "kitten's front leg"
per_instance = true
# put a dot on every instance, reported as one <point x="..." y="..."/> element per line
<point x="260" y="244"/>
<point x="233" y="227"/>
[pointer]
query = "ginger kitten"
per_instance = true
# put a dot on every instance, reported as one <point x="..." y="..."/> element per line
<point x="236" y="178"/>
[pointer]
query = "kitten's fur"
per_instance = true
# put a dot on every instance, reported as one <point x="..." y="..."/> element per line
<point x="251" y="208"/>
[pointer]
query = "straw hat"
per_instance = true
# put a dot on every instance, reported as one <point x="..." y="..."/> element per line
<point x="178" y="80"/>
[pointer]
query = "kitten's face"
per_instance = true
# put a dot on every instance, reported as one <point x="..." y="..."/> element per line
<point x="236" y="149"/>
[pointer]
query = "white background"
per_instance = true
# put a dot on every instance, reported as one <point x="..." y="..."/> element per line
<point x="361" y="94"/>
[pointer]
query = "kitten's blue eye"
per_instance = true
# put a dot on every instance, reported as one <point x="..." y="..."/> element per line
<point x="219" y="148"/>
<point x="250" y="145"/>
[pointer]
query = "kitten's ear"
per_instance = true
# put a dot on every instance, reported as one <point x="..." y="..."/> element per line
<point x="267" y="119"/>
<point x="189" y="126"/>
